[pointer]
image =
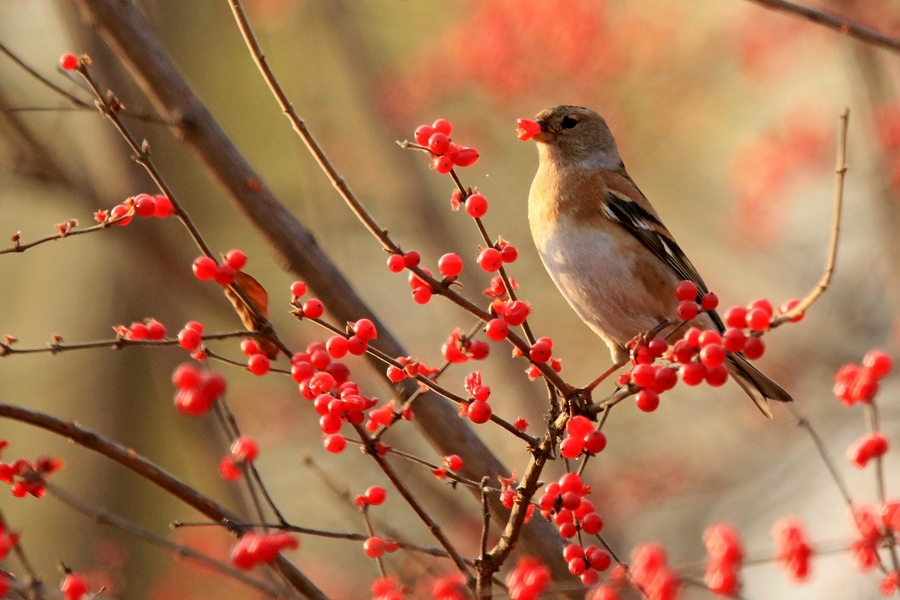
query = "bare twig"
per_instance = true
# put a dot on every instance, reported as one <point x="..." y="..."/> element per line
<point x="108" y="519"/>
<point x="825" y="281"/>
<point x="834" y="22"/>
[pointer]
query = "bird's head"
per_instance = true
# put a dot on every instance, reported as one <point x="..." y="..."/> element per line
<point x="576" y="135"/>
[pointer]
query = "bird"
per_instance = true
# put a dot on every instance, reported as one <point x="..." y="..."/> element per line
<point x="605" y="246"/>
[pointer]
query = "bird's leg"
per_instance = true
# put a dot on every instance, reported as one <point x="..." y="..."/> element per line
<point x="606" y="374"/>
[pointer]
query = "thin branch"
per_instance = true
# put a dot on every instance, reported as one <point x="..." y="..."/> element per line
<point x="32" y="580"/>
<point x="18" y="247"/>
<point x="840" y="175"/>
<point x="483" y="572"/>
<point x="131" y="460"/>
<point x="108" y="519"/>
<point x="73" y="99"/>
<point x="831" y="21"/>
<point x="54" y="347"/>
<point x="823" y="453"/>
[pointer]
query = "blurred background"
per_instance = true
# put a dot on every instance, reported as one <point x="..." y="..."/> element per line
<point x="726" y="116"/>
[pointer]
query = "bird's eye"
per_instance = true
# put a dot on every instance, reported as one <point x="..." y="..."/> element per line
<point x="569" y="122"/>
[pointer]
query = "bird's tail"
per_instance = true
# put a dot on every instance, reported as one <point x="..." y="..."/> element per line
<point x="757" y="385"/>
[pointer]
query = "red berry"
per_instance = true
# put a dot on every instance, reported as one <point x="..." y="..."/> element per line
<point x="453" y="462"/>
<point x="374" y="547"/>
<point x="229" y="469"/>
<point x="579" y="426"/>
<point x="716" y="376"/>
<point x="356" y="345"/>
<point x="712" y="355"/>
<point x="313" y="308"/>
<point x="250" y="347"/>
<point x="450" y="265"/>
<point x="687" y="310"/>
<point x="442" y="164"/>
<point x="443" y="126"/>
<point x="69" y="62"/>
<point x="189" y="339"/>
<point x="515" y="312"/>
<point x="693" y="373"/>
<point x="497" y="330"/>
<point x="479" y="349"/>
<point x="734" y="339"/>
<point x="186" y="376"/>
<point x="571" y="447"/>
<point x="665" y="379"/>
<point x="224" y="274"/>
<point x="337" y="346"/>
<point x="74" y="587"/>
<point x="195" y="326"/>
<point x="643" y="375"/>
<point x="736" y="317"/>
<point x="412" y="258"/>
<point x="438" y="143"/>
<point x="244" y="449"/>
<point x="118" y="212"/>
<point x="709" y="301"/>
<point x="423" y="134"/>
<point x="137" y="331"/>
<point x="144" y="205"/>
<point x="758" y="319"/>
<point x="647" y="400"/>
<point x="259" y="364"/>
<point x="365" y="329"/>
<point x="236" y="259"/>
<point x="595" y="442"/>
<point x="527" y="129"/>
<point x="396" y="263"/>
<point x="155" y="330"/>
<point x="599" y="560"/>
<point x="788" y="306"/>
<point x="509" y="253"/>
<point x="480" y="411"/>
<point x="422" y="295"/>
<point x="376" y="495"/>
<point x="686" y="290"/>
<point x="162" y="206"/>
<point x="335" y="443"/>
<point x="762" y="304"/>
<point x="878" y="363"/>
<point x="490" y="259"/>
<point x="298" y="289"/>
<point x="476" y="205"/>
<point x="540" y="352"/>
<point x="754" y="348"/>
<point x="465" y="157"/>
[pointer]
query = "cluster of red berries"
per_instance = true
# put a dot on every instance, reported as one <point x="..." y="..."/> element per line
<point x="650" y="571"/>
<point x="445" y="153"/>
<point x="459" y="349"/>
<point x="581" y="437"/>
<point x="723" y="544"/>
<point x="25" y="477"/>
<point x="74" y="586"/>
<point x="244" y="451"/>
<point x="528" y="580"/>
<point x="859" y="383"/>
<point x="540" y="352"/>
<point x="587" y="563"/>
<point x="792" y="549"/>
<point x="527" y="129"/>
<point x="142" y="205"/>
<point x="257" y="362"/>
<point x="256" y="548"/>
<point x="564" y="503"/>
<point x="478" y="410"/>
<point x="206" y="268"/>
<point x="375" y="546"/>
<point x="196" y="389"/>
<point x="150" y="329"/>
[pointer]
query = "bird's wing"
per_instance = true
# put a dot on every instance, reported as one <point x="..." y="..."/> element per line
<point x="649" y="230"/>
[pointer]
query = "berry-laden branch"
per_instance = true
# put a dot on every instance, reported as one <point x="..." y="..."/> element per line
<point x="128" y="458"/>
<point x="834" y="22"/>
<point x="132" y="39"/>
<point x="66" y="229"/>
<point x="56" y="345"/>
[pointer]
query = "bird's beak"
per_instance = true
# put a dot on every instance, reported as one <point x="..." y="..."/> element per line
<point x="545" y="135"/>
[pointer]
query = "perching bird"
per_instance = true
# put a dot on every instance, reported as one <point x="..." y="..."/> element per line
<point x="605" y="246"/>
